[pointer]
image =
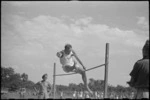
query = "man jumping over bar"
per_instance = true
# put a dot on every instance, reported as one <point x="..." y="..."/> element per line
<point x="69" y="64"/>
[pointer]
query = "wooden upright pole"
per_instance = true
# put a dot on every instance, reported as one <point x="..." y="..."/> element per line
<point x="54" y="73"/>
<point x="106" y="69"/>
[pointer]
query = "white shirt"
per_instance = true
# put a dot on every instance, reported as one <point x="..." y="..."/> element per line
<point x="81" y="94"/>
<point x="66" y="59"/>
<point x="43" y="88"/>
<point x="74" y="94"/>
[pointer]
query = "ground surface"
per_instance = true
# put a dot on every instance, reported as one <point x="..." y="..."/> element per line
<point x="15" y="95"/>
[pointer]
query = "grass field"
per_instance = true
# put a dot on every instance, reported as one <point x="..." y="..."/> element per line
<point x="15" y="95"/>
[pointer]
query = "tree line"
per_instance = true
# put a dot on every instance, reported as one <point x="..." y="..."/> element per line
<point x="14" y="81"/>
<point x="95" y="85"/>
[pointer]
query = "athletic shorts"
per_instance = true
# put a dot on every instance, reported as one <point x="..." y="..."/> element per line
<point x="75" y="68"/>
<point x="43" y="96"/>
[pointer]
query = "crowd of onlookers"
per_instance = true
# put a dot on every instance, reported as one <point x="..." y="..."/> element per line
<point x="97" y="95"/>
<point x="79" y="94"/>
<point x="83" y="95"/>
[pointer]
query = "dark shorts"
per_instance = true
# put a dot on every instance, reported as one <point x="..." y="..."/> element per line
<point x="75" y="68"/>
<point x="68" y="68"/>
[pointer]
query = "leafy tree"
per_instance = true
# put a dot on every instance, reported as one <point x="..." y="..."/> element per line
<point x="81" y="86"/>
<point x="96" y="85"/>
<point x="6" y="73"/>
<point x="24" y="77"/>
<point x="30" y="84"/>
<point x="72" y="87"/>
<point x="14" y="81"/>
<point x="120" y="88"/>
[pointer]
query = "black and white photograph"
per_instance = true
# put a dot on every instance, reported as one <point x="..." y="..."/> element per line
<point x="75" y="49"/>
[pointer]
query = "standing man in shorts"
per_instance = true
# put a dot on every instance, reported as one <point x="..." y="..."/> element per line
<point x="140" y="74"/>
<point x="44" y="88"/>
<point x="68" y="59"/>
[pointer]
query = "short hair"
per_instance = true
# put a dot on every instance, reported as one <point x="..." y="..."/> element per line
<point x="146" y="47"/>
<point x="44" y="76"/>
<point x="68" y="46"/>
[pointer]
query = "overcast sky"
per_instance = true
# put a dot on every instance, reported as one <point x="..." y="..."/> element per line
<point x="33" y="31"/>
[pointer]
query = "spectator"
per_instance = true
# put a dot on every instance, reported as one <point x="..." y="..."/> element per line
<point x="44" y="88"/>
<point x="87" y="94"/>
<point x="140" y="74"/>
<point x="22" y="93"/>
<point x="75" y="94"/>
<point x="61" y="95"/>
